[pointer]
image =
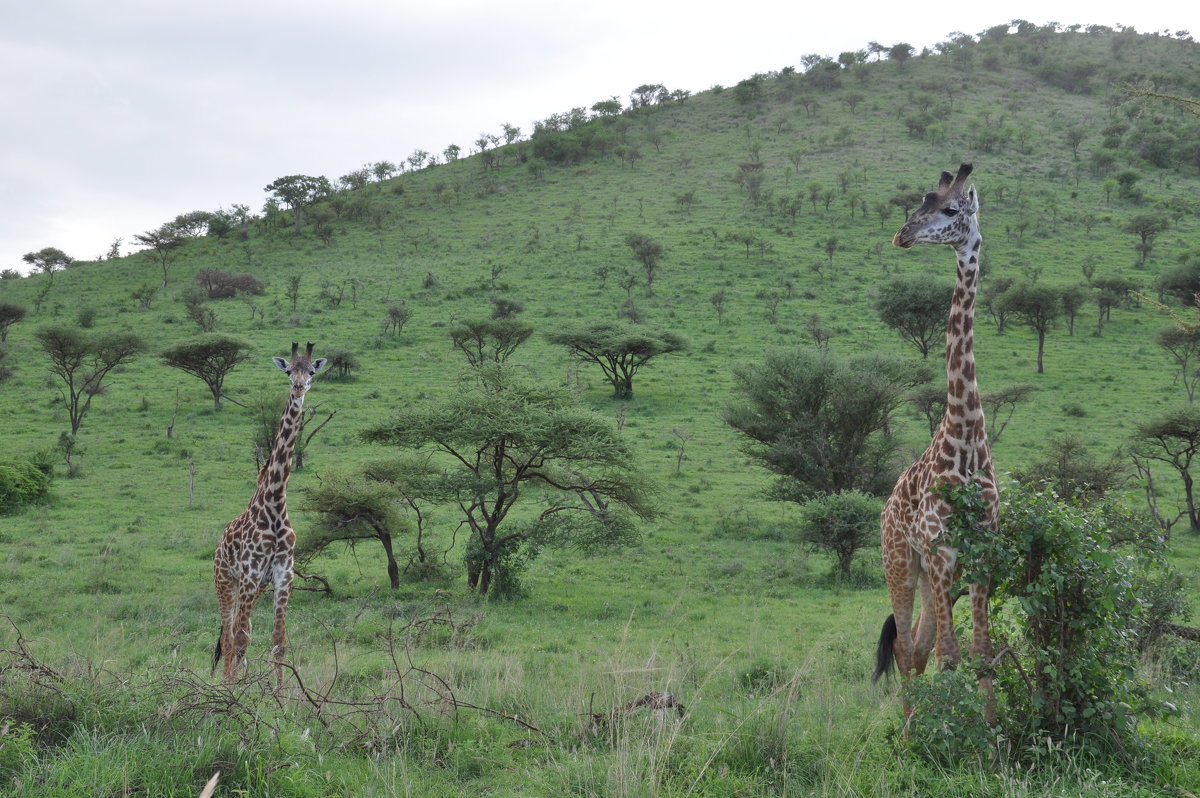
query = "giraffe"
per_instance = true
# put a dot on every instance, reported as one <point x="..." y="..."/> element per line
<point x="258" y="546"/>
<point x="913" y="516"/>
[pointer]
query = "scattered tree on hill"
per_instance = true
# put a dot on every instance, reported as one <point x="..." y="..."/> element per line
<point x="164" y="241"/>
<point x="918" y="308"/>
<point x="485" y="341"/>
<point x="1182" y="282"/>
<point x="620" y="349"/>
<point x="1173" y="437"/>
<point x="398" y="314"/>
<point x="1073" y="298"/>
<point x="340" y="363"/>
<point x="81" y="362"/>
<point x="1001" y="403"/>
<point x="1146" y="226"/>
<point x="209" y="357"/>
<point x="192" y="224"/>
<point x="1111" y="292"/>
<point x="901" y="53"/>
<point x="1183" y="345"/>
<point x="299" y="192"/>
<point x="504" y="436"/>
<point x="10" y="314"/>
<point x="48" y="260"/>
<point x="821" y="422"/>
<point x="648" y="252"/>
<point x="1035" y="306"/>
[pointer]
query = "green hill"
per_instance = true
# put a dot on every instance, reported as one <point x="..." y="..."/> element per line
<point x="780" y="194"/>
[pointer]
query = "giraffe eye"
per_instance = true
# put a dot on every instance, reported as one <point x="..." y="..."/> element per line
<point x="950" y="211"/>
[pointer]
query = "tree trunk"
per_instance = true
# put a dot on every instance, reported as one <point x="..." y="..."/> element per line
<point x="1191" y="504"/>
<point x="393" y="570"/>
<point x="1041" y="348"/>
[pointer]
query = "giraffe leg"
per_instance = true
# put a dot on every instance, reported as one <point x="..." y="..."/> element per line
<point x="941" y="582"/>
<point x="981" y="647"/>
<point x="241" y="633"/>
<point x="283" y="592"/>
<point x="926" y="629"/>
<point x="227" y="608"/>
<point x="902" y="578"/>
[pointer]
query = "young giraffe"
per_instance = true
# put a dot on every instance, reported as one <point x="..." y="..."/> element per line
<point x="913" y="516"/>
<point x="258" y="546"/>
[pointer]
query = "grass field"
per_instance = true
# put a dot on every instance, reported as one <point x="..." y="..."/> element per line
<point x="109" y="582"/>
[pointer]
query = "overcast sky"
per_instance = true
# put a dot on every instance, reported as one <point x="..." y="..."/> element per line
<point x="117" y="116"/>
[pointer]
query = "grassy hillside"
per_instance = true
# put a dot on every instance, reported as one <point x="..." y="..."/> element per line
<point x="746" y="187"/>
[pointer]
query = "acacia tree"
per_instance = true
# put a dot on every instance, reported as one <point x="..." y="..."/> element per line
<point x="619" y="348"/>
<point x="1183" y="344"/>
<point x="298" y="192"/>
<point x="1146" y="226"/>
<point x="82" y="362"/>
<point x="821" y="422"/>
<point x="918" y="308"/>
<point x="164" y="241"/>
<point x="209" y="357"/>
<point x="489" y="340"/>
<point x="48" y="260"/>
<point x="502" y="436"/>
<point x="1173" y="438"/>
<point x="1035" y="306"/>
<point x="648" y="252"/>
<point x="10" y="314"/>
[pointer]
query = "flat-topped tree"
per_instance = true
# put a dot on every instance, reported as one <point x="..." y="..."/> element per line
<point x="10" y="314"/>
<point x="499" y="436"/>
<point x="48" y="260"/>
<point x="619" y="348"/>
<point x="82" y="362"/>
<point x="210" y="357"/>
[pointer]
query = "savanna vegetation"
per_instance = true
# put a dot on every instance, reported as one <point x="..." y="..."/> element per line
<point x="531" y="573"/>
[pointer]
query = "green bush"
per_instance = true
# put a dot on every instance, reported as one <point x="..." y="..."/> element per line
<point x="840" y="523"/>
<point x="20" y="483"/>
<point x="1067" y="606"/>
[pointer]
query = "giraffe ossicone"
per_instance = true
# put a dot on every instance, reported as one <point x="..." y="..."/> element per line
<point x="914" y="516"/>
<point x="257" y="549"/>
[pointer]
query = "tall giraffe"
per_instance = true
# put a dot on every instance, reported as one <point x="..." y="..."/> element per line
<point x="258" y="546"/>
<point x="914" y="516"/>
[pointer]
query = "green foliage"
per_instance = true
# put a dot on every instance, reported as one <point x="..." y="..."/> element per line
<point x="918" y="308"/>
<point x="505" y="435"/>
<point x="620" y="349"/>
<point x="21" y="482"/>
<point x="209" y="357"/>
<point x="1067" y="605"/>
<point x="820" y="421"/>
<point x="841" y="523"/>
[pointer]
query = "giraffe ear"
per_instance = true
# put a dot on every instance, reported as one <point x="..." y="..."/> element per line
<point x="282" y="364"/>
<point x="318" y="364"/>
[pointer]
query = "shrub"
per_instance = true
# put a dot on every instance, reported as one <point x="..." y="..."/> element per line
<point x="341" y="362"/>
<point x="1068" y="601"/>
<point x="840" y="523"/>
<point x="21" y="482"/>
<point x="221" y="284"/>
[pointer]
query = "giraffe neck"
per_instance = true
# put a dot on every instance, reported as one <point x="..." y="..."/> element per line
<point x="273" y="478"/>
<point x="963" y="404"/>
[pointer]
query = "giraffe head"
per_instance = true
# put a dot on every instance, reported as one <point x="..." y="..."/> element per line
<point x="300" y="369"/>
<point x="947" y="216"/>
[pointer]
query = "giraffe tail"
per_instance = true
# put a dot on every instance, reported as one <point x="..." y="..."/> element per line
<point x="884" y="656"/>
<point x="216" y="657"/>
